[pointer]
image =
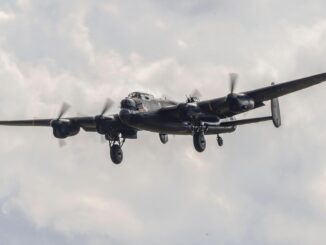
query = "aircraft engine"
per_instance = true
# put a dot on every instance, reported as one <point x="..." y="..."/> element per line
<point x="64" y="128"/>
<point x="188" y="111"/>
<point x="104" y="125"/>
<point x="191" y="112"/>
<point x="240" y="103"/>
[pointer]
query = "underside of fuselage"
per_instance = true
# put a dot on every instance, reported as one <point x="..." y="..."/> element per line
<point x="154" y="122"/>
<point x="181" y="129"/>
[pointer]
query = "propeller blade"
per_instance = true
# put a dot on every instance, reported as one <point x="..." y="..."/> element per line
<point x="196" y="93"/>
<point x="62" y="143"/>
<point x="64" y="108"/>
<point x="107" y="106"/>
<point x="233" y="81"/>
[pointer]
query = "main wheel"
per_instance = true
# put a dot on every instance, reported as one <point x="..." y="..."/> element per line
<point x="199" y="142"/>
<point x="220" y="141"/>
<point x="164" y="138"/>
<point x="116" y="154"/>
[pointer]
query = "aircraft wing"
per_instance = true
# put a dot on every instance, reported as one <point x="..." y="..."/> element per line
<point x="278" y="90"/>
<point x="220" y="106"/>
<point x="87" y="123"/>
<point x="39" y="123"/>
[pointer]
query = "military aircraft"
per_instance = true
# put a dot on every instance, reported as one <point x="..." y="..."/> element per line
<point x="141" y="111"/>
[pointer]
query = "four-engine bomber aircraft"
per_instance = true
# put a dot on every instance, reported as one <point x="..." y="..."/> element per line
<point x="141" y="111"/>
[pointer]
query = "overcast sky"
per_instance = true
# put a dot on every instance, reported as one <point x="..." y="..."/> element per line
<point x="265" y="186"/>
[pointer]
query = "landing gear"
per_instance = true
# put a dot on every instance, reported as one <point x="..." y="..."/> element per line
<point x="219" y="140"/>
<point x="199" y="141"/>
<point x="164" y="138"/>
<point x="116" y="152"/>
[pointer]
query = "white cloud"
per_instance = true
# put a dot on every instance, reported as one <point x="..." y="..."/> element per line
<point x="262" y="183"/>
<point x="4" y="17"/>
<point x="111" y="8"/>
<point x="161" y="25"/>
<point x="80" y="34"/>
<point x="181" y="43"/>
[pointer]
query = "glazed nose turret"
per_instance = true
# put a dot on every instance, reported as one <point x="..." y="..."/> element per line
<point x="128" y="104"/>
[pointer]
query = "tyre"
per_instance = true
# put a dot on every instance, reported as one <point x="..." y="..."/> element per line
<point x="199" y="142"/>
<point x="220" y="141"/>
<point x="116" y="154"/>
<point x="164" y="138"/>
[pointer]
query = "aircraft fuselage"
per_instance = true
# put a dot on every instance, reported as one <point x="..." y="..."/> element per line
<point x="143" y="112"/>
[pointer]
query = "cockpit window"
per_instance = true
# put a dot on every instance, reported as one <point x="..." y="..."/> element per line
<point x="134" y="95"/>
<point x="148" y="96"/>
<point x="143" y="96"/>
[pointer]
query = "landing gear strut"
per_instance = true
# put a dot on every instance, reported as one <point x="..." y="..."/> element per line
<point x="219" y="140"/>
<point x="116" y="152"/>
<point x="199" y="141"/>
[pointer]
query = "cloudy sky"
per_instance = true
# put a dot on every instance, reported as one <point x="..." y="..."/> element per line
<point x="266" y="186"/>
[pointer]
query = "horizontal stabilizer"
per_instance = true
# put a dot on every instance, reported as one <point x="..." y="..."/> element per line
<point x="246" y="121"/>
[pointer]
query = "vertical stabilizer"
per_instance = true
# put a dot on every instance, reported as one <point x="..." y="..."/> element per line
<point x="276" y="112"/>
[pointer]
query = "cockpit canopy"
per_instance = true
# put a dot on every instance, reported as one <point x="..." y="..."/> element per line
<point x="142" y="96"/>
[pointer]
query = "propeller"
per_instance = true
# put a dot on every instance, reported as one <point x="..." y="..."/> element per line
<point x="232" y="97"/>
<point x="233" y="81"/>
<point x="100" y="118"/>
<point x="64" y="108"/>
<point x="195" y="94"/>
<point x="107" y="106"/>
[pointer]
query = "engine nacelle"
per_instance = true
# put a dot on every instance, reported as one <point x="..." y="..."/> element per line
<point x="191" y="112"/>
<point x="188" y="111"/>
<point x="106" y="125"/>
<point x="64" y="128"/>
<point x="240" y="103"/>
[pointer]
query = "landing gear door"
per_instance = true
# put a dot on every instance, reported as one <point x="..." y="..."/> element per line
<point x="276" y="112"/>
